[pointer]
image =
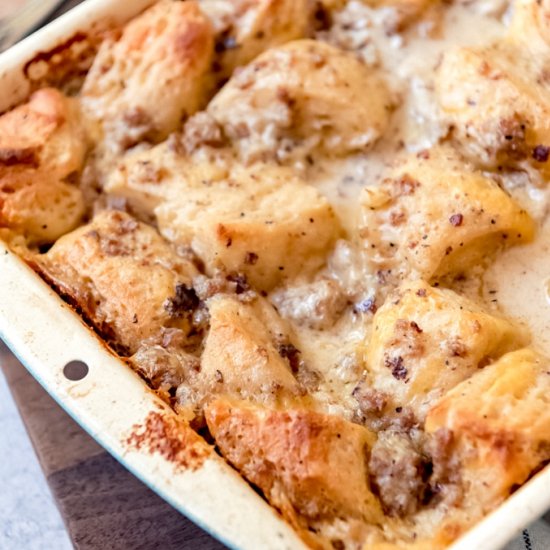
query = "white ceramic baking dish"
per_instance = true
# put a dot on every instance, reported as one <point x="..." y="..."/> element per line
<point x="110" y="401"/>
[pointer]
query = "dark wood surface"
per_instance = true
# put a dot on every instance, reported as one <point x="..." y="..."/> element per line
<point x="102" y="504"/>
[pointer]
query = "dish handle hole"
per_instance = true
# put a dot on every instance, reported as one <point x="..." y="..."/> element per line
<point x="75" y="370"/>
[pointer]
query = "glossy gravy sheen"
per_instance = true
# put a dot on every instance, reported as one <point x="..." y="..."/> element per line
<point x="516" y="283"/>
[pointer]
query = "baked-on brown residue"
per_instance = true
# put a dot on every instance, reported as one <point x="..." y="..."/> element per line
<point x="172" y="438"/>
<point x="66" y="64"/>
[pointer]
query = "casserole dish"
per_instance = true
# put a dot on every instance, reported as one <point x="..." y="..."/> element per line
<point x="112" y="403"/>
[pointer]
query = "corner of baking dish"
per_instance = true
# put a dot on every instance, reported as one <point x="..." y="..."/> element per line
<point x="113" y="404"/>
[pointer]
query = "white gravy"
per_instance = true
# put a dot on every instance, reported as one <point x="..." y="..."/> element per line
<point x="517" y="284"/>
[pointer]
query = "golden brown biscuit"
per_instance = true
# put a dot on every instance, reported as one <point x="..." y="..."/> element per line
<point x="241" y="358"/>
<point x="262" y="221"/>
<point x="306" y="463"/>
<point x="147" y="178"/>
<point x="426" y="340"/>
<point x="143" y="84"/>
<point x="125" y="278"/>
<point x="494" y="428"/>
<point x="435" y="216"/>
<point x="497" y="100"/>
<point x="246" y="28"/>
<point x="42" y="142"/>
<point x="295" y="99"/>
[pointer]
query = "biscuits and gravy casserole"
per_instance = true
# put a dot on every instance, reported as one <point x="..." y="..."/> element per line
<point x="316" y="228"/>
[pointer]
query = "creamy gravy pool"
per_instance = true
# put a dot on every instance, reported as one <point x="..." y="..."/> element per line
<point x="517" y="282"/>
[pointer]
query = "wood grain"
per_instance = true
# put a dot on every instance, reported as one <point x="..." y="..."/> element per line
<point x="102" y="504"/>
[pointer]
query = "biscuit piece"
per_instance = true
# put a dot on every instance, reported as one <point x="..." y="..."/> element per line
<point x="44" y="133"/>
<point x="426" y="340"/>
<point x="294" y="99"/>
<point x="144" y="83"/>
<point x="497" y="100"/>
<point x="306" y="463"/>
<point x="495" y="427"/>
<point x="435" y="216"/>
<point x="263" y="222"/>
<point x="246" y="28"/>
<point x="124" y="277"/>
<point x="241" y="357"/>
<point x="150" y="177"/>
<point x="41" y="144"/>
